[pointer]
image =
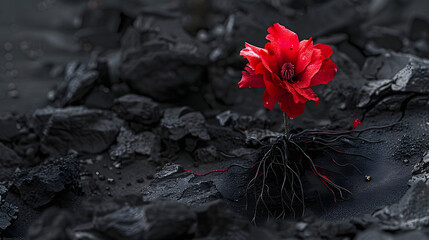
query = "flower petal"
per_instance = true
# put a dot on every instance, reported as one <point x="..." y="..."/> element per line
<point x="304" y="55"/>
<point x="251" y="79"/>
<point x="269" y="60"/>
<point x="326" y="50"/>
<point x="272" y="88"/>
<point x="284" y="43"/>
<point x="304" y="78"/>
<point x="268" y="100"/>
<point x="251" y="53"/>
<point x="325" y="74"/>
<point x="291" y="108"/>
<point x="308" y="94"/>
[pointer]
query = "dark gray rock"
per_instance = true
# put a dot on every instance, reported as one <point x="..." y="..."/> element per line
<point x="421" y="171"/>
<point x="8" y="127"/>
<point x="256" y="135"/>
<point x="163" y="66"/>
<point x="53" y="224"/>
<point x="174" y="184"/>
<point x="157" y="221"/>
<point x="8" y="213"/>
<point x="411" y="212"/>
<point x="217" y="221"/>
<point x="9" y="161"/>
<point x="78" y="82"/>
<point x="376" y="234"/>
<point x="39" y="185"/>
<point x="76" y="128"/>
<point x="241" y="122"/>
<point x="130" y="145"/>
<point x="394" y="73"/>
<point x="180" y="122"/>
<point x="137" y="110"/>
<point x="206" y="154"/>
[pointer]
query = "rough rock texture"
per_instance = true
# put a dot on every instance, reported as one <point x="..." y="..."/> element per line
<point x="410" y="212"/>
<point x="75" y="128"/>
<point x="129" y="145"/>
<point x="141" y="112"/>
<point x="180" y="122"/>
<point x="162" y="220"/>
<point x="39" y="185"/>
<point x="9" y="161"/>
<point x="8" y="212"/>
<point x="173" y="183"/>
<point x="155" y="66"/>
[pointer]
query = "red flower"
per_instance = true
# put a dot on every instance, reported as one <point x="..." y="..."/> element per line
<point x="356" y="122"/>
<point x="287" y="69"/>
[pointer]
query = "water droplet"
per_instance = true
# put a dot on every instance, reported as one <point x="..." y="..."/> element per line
<point x="266" y="103"/>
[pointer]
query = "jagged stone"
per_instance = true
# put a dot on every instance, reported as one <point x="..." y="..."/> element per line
<point x="39" y="185"/>
<point x="174" y="184"/>
<point x="180" y="122"/>
<point x="137" y="109"/>
<point x="129" y="145"/>
<point x="409" y="213"/>
<point x="241" y="122"/>
<point x="76" y="128"/>
<point x="158" y="221"/>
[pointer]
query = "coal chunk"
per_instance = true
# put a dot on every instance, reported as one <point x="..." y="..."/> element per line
<point x="77" y="128"/>
<point x="241" y="122"/>
<point x="9" y="161"/>
<point x="8" y="127"/>
<point x="129" y="145"/>
<point x="39" y="185"/>
<point x="52" y="225"/>
<point x="206" y="154"/>
<point x="138" y="110"/>
<point x="180" y="122"/>
<point x="78" y="82"/>
<point x="161" y="220"/>
<point x="8" y="213"/>
<point x="217" y="221"/>
<point x="174" y="184"/>
<point x="409" y="213"/>
<point x="163" y="65"/>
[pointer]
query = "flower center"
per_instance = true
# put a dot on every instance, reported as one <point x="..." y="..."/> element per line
<point x="288" y="73"/>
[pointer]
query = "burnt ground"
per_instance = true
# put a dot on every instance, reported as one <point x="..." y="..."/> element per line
<point x="109" y="108"/>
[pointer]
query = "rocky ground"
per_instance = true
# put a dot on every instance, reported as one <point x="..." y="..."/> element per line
<point x="111" y="114"/>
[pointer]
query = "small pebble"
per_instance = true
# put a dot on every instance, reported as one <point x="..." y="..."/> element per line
<point x="111" y="180"/>
<point x="367" y="178"/>
<point x="406" y="161"/>
<point x="101" y="177"/>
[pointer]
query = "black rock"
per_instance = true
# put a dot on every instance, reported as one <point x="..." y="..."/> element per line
<point x="395" y="73"/>
<point x="53" y="224"/>
<point x="158" y="221"/>
<point x="8" y="213"/>
<point x="9" y="161"/>
<point x="241" y="122"/>
<point x="138" y="110"/>
<point x="130" y="145"/>
<point x="376" y="234"/>
<point x="174" y="184"/>
<point x="77" y="128"/>
<point x="409" y="213"/>
<point x="78" y="82"/>
<point x="163" y="66"/>
<point x="8" y="127"/>
<point x="217" y="221"/>
<point x="255" y="136"/>
<point x="421" y="171"/>
<point x="39" y="185"/>
<point x="179" y="122"/>
<point x="206" y="154"/>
